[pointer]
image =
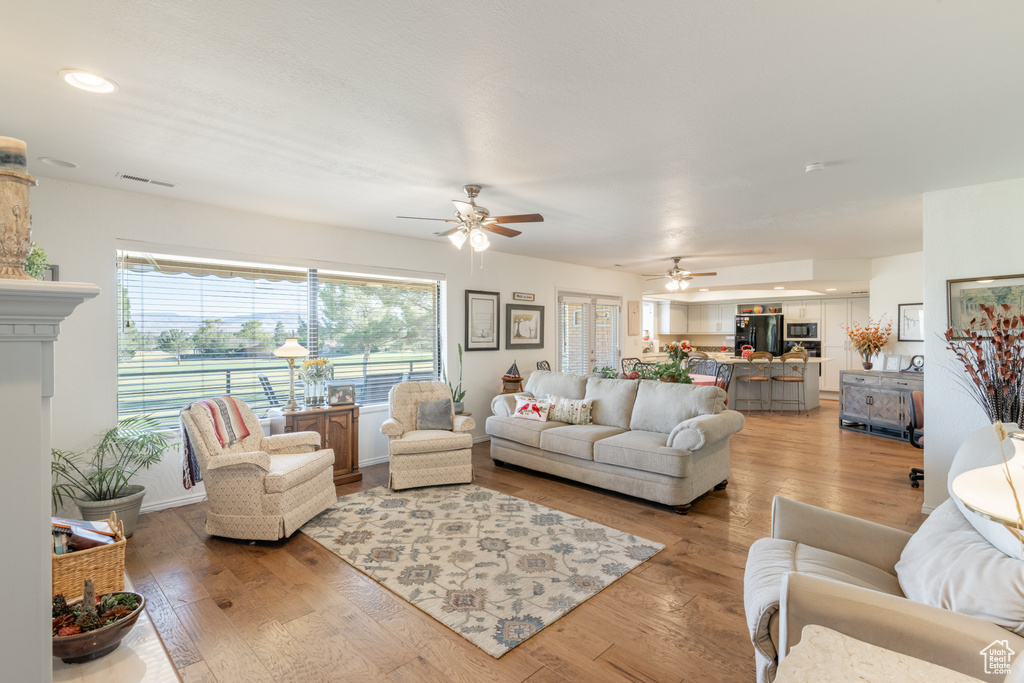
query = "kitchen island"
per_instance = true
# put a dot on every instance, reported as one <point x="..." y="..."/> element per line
<point x="742" y="391"/>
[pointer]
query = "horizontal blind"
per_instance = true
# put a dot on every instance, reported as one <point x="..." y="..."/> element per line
<point x="378" y="332"/>
<point x="573" y="336"/>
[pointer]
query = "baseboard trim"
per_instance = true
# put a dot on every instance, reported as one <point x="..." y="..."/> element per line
<point x="173" y="502"/>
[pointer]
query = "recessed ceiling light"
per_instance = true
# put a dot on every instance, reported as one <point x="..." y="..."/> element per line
<point x="816" y="166"/>
<point x="83" y="80"/>
<point x="983" y="282"/>
<point x="51" y="161"/>
<point x="705" y="289"/>
<point x="830" y="289"/>
<point x="780" y="288"/>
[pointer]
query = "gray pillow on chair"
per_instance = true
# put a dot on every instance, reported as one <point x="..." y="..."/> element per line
<point x="435" y="414"/>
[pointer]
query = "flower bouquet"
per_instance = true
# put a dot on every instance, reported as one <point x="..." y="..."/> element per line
<point x="314" y="373"/>
<point x="678" y="351"/>
<point x="869" y="338"/>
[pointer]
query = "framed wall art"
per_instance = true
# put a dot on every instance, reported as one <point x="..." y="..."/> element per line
<point x="910" y="325"/>
<point x="524" y="326"/>
<point x="965" y="297"/>
<point x="482" y="323"/>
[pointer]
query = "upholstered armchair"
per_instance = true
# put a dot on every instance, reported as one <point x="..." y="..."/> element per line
<point x="422" y="454"/>
<point x="260" y="488"/>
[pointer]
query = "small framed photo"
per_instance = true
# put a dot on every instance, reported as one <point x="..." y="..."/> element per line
<point x="892" y="362"/>
<point x="524" y="326"/>
<point x="522" y="296"/>
<point x="483" y="326"/>
<point x="340" y="393"/>
<point x="911" y="322"/>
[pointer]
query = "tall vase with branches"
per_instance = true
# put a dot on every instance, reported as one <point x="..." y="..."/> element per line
<point x="869" y="338"/>
<point x="458" y="393"/>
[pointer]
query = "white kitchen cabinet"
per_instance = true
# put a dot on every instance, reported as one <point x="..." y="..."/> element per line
<point x="672" y="318"/>
<point x="802" y="309"/>
<point x="713" y="318"/>
<point x="835" y="344"/>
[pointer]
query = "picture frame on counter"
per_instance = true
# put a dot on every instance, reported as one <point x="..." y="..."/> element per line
<point x="340" y="392"/>
<point x="910" y="322"/>
<point x="965" y="297"/>
<point x="524" y="326"/>
<point x="483" y="325"/>
<point x="523" y="296"/>
<point x="892" y="362"/>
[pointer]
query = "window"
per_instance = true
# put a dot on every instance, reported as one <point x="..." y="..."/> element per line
<point x="190" y="327"/>
<point x="588" y="332"/>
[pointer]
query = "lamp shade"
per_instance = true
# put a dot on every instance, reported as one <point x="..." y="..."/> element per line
<point x="291" y="349"/>
<point x="671" y="285"/>
<point x="478" y="239"/>
<point x="458" y="239"/>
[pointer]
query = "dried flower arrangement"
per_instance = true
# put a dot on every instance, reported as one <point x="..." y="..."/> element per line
<point x="870" y="337"/>
<point x="91" y="613"/>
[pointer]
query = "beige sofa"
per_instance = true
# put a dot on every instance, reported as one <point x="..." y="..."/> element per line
<point x="664" y="442"/>
<point x="944" y="594"/>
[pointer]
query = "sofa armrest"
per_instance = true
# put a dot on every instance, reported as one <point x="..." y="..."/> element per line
<point x="463" y="423"/>
<point x="875" y="544"/>
<point x="258" y="459"/>
<point x="935" y="635"/>
<point x="294" y="442"/>
<point x="697" y="432"/>
<point x="503" y="405"/>
<point x="392" y="427"/>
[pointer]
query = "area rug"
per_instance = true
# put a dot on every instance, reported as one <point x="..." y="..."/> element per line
<point x="493" y="568"/>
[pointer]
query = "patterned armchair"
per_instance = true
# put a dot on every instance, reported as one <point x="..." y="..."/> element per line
<point x="260" y="488"/>
<point x="425" y="457"/>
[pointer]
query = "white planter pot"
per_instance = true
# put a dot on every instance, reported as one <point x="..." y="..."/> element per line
<point x="127" y="507"/>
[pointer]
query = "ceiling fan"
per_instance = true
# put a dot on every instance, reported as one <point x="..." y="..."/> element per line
<point x="678" y="278"/>
<point x="474" y="222"/>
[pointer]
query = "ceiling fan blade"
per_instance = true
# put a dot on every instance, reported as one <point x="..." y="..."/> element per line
<point x="499" y="230"/>
<point x="658" y="277"/>
<point x="465" y="209"/>
<point x="653" y="275"/>
<point x="700" y="274"/>
<point x="519" y="218"/>
<point x="420" y="218"/>
<point x="448" y="232"/>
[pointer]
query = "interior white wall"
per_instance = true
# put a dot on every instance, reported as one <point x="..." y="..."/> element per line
<point x="897" y="280"/>
<point x="79" y="225"/>
<point x="968" y="232"/>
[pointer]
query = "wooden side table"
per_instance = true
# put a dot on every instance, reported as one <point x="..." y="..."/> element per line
<point x="338" y="427"/>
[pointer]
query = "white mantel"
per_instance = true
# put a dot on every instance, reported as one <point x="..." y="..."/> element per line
<point x="30" y="317"/>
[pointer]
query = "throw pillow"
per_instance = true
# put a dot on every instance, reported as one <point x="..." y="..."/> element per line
<point x="572" y="412"/>
<point x="948" y="564"/>
<point x="530" y="408"/>
<point x="435" y="414"/>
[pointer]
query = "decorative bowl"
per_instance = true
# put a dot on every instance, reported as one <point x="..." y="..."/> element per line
<point x="85" y="647"/>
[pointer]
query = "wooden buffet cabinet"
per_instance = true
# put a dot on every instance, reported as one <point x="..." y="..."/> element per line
<point x="877" y="402"/>
<point x="338" y="427"/>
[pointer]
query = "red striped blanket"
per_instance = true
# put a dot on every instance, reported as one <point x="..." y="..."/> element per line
<point x="228" y="427"/>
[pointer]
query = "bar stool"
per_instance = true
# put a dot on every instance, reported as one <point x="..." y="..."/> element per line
<point x="791" y="371"/>
<point x="759" y="374"/>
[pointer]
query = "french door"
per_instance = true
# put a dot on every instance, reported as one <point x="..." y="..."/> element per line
<point x="588" y="332"/>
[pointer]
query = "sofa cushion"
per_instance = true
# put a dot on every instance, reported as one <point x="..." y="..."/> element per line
<point x="291" y="469"/>
<point x="430" y="440"/>
<point x="613" y="400"/>
<point x="530" y="408"/>
<point x="643" y="451"/>
<point x="660" y="406"/>
<point x="948" y="564"/>
<point x="526" y="432"/>
<point x="576" y="440"/>
<point x="770" y="559"/>
<point x="543" y="382"/>
<point x="434" y="414"/>
<point x="571" y="411"/>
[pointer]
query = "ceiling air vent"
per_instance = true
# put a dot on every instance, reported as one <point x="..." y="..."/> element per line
<point x="149" y="181"/>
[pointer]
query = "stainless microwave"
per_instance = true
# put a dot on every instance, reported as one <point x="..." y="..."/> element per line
<point x="802" y="330"/>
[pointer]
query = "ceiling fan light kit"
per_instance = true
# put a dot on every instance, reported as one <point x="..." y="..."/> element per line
<point x="678" y="278"/>
<point x="458" y="238"/>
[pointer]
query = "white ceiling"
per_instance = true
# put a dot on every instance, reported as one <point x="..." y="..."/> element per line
<point x="640" y="130"/>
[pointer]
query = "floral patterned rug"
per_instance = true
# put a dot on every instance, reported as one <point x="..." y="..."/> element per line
<point x="493" y="568"/>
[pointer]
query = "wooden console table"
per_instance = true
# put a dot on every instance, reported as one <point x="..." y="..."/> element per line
<point x="338" y="427"/>
<point x="877" y="402"/>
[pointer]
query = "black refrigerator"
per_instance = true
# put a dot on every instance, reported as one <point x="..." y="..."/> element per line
<point x="763" y="332"/>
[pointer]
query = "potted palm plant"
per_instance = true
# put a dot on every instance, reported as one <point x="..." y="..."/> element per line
<point x="97" y="479"/>
<point x="458" y="393"/>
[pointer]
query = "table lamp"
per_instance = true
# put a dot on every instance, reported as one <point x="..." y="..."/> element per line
<point x="291" y="349"/>
<point x="992" y="492"/>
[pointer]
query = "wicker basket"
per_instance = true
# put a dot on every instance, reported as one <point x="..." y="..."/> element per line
<point x="104" y="565"/>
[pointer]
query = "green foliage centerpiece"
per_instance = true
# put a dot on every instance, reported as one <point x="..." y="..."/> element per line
<point x="675" y="370"/>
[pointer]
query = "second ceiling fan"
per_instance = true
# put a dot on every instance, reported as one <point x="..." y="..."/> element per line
<point x="474" y="222"/>
<point x="678" y="278"/>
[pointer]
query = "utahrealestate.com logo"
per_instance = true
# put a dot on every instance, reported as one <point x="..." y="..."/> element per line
<point x="998" y="657"/>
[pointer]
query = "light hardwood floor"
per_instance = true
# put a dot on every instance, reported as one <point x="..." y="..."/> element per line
<point x="292" y="611"/>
